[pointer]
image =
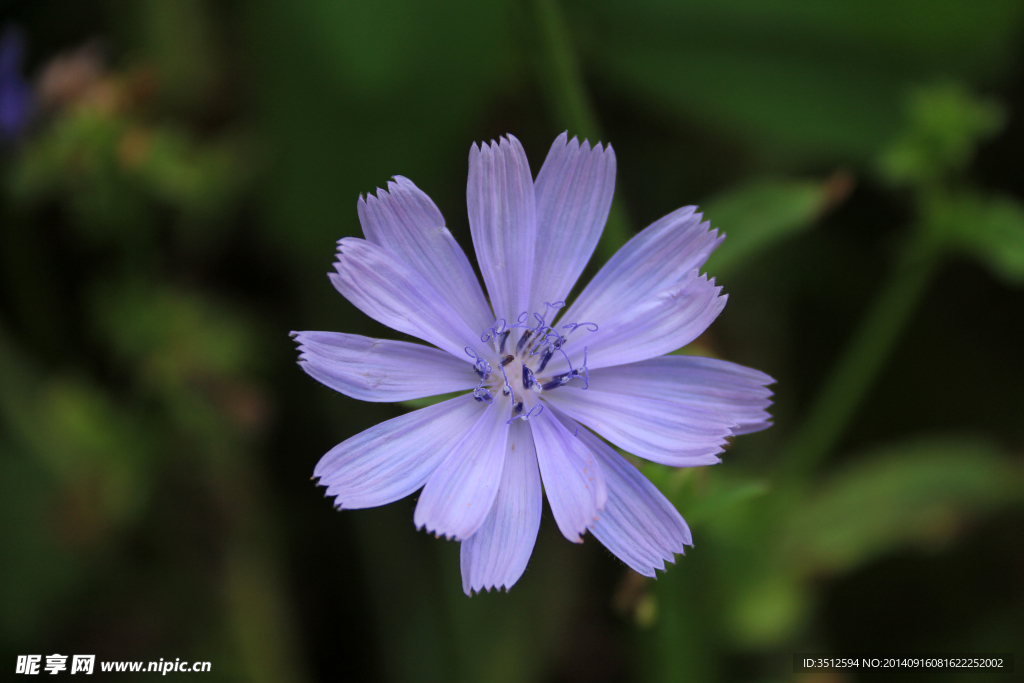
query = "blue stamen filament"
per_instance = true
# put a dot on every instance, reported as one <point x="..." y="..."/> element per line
<point x="534" y="350"/>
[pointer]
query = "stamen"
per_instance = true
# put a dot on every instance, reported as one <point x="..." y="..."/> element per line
<point x="483" y="371"/>
<point x="554" y="384"/>
<point x="522" y="341"/>
<point x="539" y="339"/>
<point x="572" y="327"/>
<point x="533" y="412"/>
<point x="528" y="380"/>
<point x="586" y="372"/>
<point x="506" y="389"/>
<point x="483" y="368"/>
<point x="581" y="372"/>
<point x="555" y="306"/>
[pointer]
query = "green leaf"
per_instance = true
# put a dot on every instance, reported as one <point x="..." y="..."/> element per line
<point x="944" y="125"/>
<point x="765" y="609"/>
<point x="42" y="569"/>
<point x="989" y="228"/>
<point x="918" y="493"/>
<point x="77" y="159"/>
<point x="796" y="79"/>
<point x="760" y="214"/>
<point x="173" y="336"/>
<point x="91" y="446"/>
<point x="999" y="239"/>
<point x="192" y="354"/>
<point x="701" y="493"/>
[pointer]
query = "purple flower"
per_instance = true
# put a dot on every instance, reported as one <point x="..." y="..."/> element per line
<point x="15" y="95"/>
<point x="547" y="389"/>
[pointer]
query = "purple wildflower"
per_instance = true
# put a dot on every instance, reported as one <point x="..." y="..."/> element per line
<point x="546" y="387"/>
<point x="15" y="94"/>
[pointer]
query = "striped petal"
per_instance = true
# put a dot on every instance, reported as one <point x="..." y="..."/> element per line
<point x="660" y="256"/>
<point x="496" y="555"/>
<point x="572" y="478"/>
<point x="404" y="221"/>
<point x="502" y="218"/>
<point x="381" y="369"/>
<point x="639" y="525"/>
<point x="692" y="383"/>
<point x="664" y="321"/>
<point x="392" y="293"/>
<point x="646" y="426"/>
<point x="574" y="193"/>
<point x="389" y="461"/>
<point x="460" y="493"/>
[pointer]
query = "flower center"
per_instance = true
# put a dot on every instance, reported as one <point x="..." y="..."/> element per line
<point x="526" y="348"/>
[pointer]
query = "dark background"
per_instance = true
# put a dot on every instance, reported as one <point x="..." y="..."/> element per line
<point x="175" y="175"/>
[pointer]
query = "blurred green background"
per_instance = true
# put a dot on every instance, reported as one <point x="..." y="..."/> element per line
<point x="175" y="174"/>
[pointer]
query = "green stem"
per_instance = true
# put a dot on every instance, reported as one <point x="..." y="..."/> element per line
<point x="257" y="604"/>
<point x="683" y="641"/>
<point x="559" y="72"/>
<point x="561" y="80"/>
<point x="863" y="358"/>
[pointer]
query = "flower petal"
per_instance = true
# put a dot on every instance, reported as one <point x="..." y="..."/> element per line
<point x="694" y="383"/>
<point x="656" y="430"/>
<point x="460" y="493"/>
<point x="406" y="222"/>
<point x="391" y="460"/>
<point x="662" y="322"/>
<point x="381" y="369"/>
<point x="502" y="218"/>
<point x="390" y="292"/>
<point x="574" y="193"/>
<point x="495" y="556"/>
<point x="659" y="256"/>
<point x="572" y="478"/>
<point x="639" y="524"/>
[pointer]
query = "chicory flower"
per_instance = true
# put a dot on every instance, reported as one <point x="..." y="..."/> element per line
<point x="547" y="387"/>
